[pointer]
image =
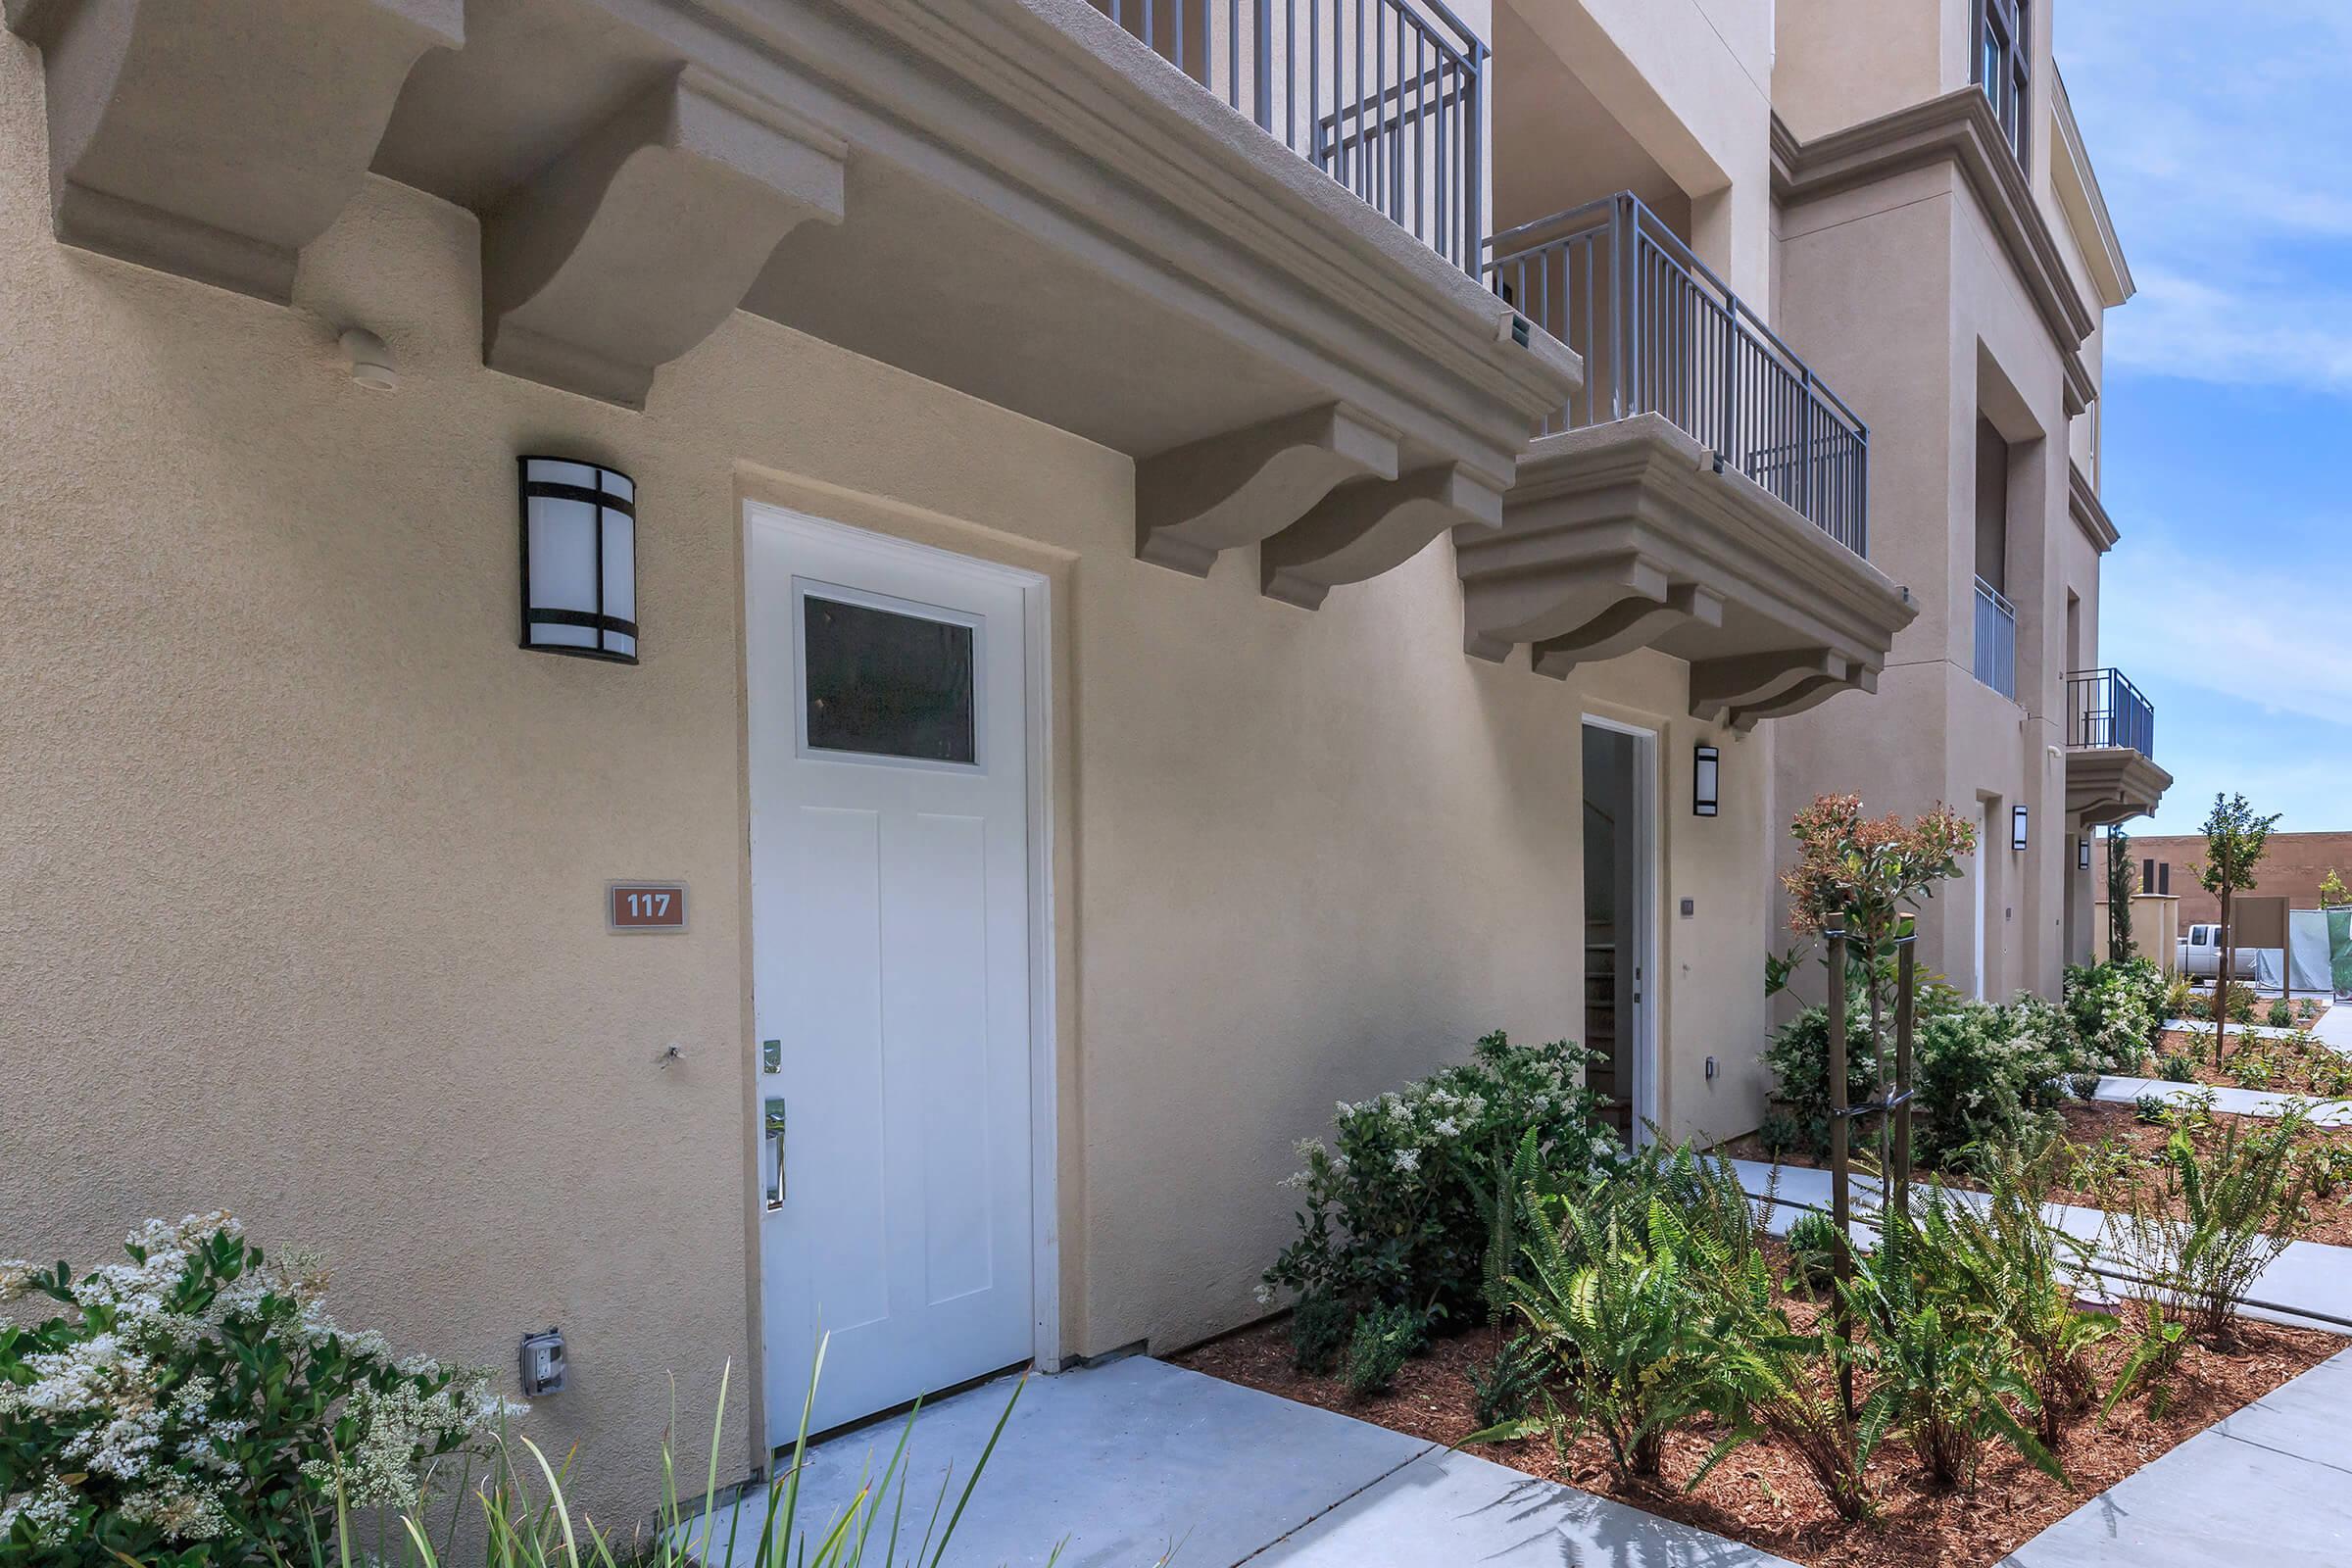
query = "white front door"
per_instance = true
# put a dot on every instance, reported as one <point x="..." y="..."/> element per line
<point x="1984" y="875"/>
<point x="890" y="932"/>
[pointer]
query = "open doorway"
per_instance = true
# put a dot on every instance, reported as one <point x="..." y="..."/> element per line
<point x="1620" y="773"/>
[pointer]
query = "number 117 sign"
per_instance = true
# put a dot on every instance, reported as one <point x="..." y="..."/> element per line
<point x="645" y="906"/>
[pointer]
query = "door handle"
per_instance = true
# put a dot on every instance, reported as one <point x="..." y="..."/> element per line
<point x="772" y="1056"/>
<point x="772" y="1125"/>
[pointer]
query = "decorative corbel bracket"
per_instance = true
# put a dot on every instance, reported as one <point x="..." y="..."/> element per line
<point x="634" y="244"/>
<point x="1754" y="682"/>
<point x="1365" y="530"/>
<point x="1247" y="485"/>
<point x="1633" y="622"/>
<point x="216" y="138"/>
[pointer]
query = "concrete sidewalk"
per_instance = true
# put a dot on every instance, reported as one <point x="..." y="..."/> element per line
<point x="1128" y="1461"/>
<point x="2270" y="1485"/>
<point x="2309" y="1277"/>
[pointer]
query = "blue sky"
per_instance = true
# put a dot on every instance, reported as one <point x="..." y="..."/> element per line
<point x="2222" y="137"/>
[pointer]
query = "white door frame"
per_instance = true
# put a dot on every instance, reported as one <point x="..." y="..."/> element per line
<point x="1045" y="1098"/>
<point x="1643" y="925"/>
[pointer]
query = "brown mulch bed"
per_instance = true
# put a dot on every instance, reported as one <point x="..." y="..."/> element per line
<point x="2326" y="1219"/>
<point x="1763" y="1494"/>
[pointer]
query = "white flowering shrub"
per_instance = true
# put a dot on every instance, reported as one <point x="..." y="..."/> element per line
<point x="2118" y="1013"/>
<point x="195" y="1406"/>
<point x="1393" y="1214"/>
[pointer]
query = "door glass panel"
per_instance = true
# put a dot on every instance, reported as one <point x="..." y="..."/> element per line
<point x="881" y="683"/>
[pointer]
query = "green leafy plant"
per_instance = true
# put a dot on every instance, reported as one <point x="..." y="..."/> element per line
<point x="2308" y="1008"/>
<point x="197" y="1405"/>
<point x="1319" y="1328"/>
<point x="2279" y="1016"/>
<point x="2242" y="1005"/>
<point x="1937" y="1350"/>
<point x="2120" y="944"/>
<point x="2215" y="1215"/>
<point x="2177" y="1067"/>
<point x="2097" y="1167"/>
<point x="2116" y="1012"/>
<point x="1813" y="1246"/>
<point x="2178" y="997"/>
<point x="1613" y="1305"/>
<point x="1383" y="1339"/>
<point x="1773" y="1381"/>
<point x="1505" y="1390"/>
<point x="2252" y="1067"/>
<point x="1870" y="876"/>
<point x="2148" y="1109"/>
<point x="2235" y="840"/>
<point x="1392" y="1212"/>
<point x="2333" y="895"/>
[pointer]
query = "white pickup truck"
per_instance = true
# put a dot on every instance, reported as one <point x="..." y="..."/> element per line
<point x="2200" y="955"/>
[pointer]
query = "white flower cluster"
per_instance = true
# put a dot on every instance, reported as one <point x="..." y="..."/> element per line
<point x="130" y="1408"/>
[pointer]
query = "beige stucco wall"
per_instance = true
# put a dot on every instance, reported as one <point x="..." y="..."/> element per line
<point x="1901" y="297"/>
<point x="304" y="859"/>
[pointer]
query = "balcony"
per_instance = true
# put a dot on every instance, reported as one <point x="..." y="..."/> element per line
<point x="1236" y="240"/>
<point x="1703" y="493"/>
<point x="2111" y="774"/>
<point x="1995" y="661"/>
<point x="1386" y="97"/>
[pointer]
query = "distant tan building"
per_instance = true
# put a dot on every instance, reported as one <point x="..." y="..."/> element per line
<point x="1129" y="579"/>
<point x="2295" y="865"/>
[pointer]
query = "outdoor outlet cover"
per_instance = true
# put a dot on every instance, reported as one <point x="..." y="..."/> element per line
<point x="1689" y="908"/>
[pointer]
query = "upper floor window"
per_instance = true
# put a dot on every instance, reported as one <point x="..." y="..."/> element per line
<point x="2005" y="68"/>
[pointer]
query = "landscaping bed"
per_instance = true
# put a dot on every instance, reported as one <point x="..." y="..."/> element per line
<point x="1763" y="1494"/>
<point x="2112" y="1142"/>
<point x="2298" y="1066"/>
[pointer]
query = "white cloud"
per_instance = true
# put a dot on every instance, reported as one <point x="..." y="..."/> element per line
<point x="2250" y="335"/>
<point x="2228" y="625"/>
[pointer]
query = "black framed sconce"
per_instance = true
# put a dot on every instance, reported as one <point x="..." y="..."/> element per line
<point x="579" y="559"/>
<point x="1706" y="780"/>
<point x="2082" y="853"/>
<point x="2017" y="828"/>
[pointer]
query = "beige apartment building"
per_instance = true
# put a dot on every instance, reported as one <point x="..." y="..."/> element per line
<point x="1117" y="573"/>
<point x="1945" y="256"/>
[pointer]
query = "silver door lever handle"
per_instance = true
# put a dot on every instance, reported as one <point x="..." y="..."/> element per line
<point x="772" y="1121"/>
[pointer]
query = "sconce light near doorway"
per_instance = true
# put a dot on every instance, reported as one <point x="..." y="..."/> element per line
<point x="2017" y="828"/>
<point x="579" y="559"/>
<point x="2082" y="853"/>
<point x="1706" y="780"/>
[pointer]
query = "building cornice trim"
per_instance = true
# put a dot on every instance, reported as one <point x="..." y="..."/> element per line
<point x="1956" y="128"/>
<point x="2089" y="512"/>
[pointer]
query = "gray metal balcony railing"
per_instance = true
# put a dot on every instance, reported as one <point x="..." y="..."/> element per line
<point x="2104" y="710"/>
<point x="1662" y="334"/>
<point x="1997" y="640"/>
<point x="1385" y="96"/>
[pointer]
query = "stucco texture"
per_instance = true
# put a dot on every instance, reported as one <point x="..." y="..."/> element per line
<point x="304" y="859"/>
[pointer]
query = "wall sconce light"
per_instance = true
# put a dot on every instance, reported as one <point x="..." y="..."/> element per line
<point x="1706" y="780"/>
<point x="579" y="559"/>
<point x="2082" y="856"/>
<point x="2017" y="828"/>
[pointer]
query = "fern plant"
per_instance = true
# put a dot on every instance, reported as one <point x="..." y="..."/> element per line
<point x="1617" y="1311"/>
<point x="2214" y="1220"/>
<point x="2020" y="1270"/>
<point x="1939" y="1347"/>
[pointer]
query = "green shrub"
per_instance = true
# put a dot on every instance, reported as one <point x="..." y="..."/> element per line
<point x="2177" y="1067"/>
<point x="2279" y="1016"/>
<point x="2213" y="1220"/>
<point x="2150" y="1108"/>
<point x="1394" y="1215"/>
<point x="1941" y="1364"/>
<point x="1813" y="1248"/>
<point x="2116" y="1012"/>
<point x="1383" y="1340"/>
<point x="1503" y="1391"/>
<point x="197" y="1405"/>
<point x="1614" y="1293"/>
<point x="1985" y="1076"/>
<point x="1319" y="1328"/>
<point x="2307" y="1009"/>
<point x="2193" y="1008"/>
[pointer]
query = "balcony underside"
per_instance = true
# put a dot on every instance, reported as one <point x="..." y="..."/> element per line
<point x="1621" y="536"/>
<point x="1015" y="198"/>
<point x="2106" y="785"/>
